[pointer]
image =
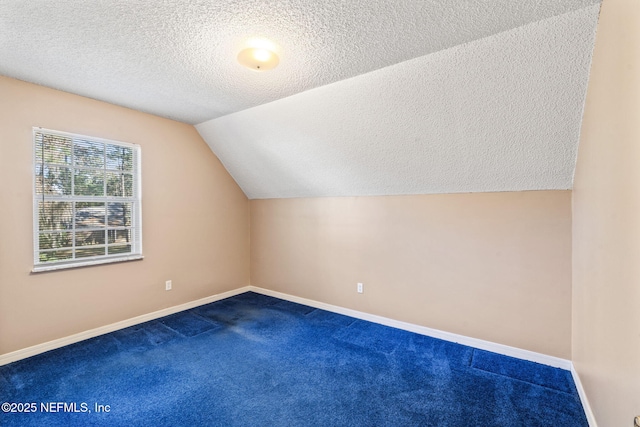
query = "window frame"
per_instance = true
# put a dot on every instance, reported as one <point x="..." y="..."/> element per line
<point x="135" y="199"/>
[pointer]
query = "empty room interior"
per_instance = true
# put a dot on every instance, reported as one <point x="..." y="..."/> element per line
<point x="320" y="213"/>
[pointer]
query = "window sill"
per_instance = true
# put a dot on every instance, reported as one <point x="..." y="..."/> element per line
<point x="88" y="263"/>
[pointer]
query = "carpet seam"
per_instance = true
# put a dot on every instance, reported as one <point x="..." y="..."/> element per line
<point x="523" y="381"/>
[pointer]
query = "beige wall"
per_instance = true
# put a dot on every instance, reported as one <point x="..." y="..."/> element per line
<point x="494" y="266"/>
<point x="195" y="221"/>
<point x="606" y="222"/>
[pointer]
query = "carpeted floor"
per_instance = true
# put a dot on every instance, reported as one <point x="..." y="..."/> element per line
<point x="253" y="360"/>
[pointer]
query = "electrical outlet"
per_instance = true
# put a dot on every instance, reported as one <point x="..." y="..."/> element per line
<point x="360" y="288"/>
<point x="167" y="285"/>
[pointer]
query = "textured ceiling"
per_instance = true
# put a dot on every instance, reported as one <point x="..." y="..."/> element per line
<point x="371" y="97"/>
<point x="176" y="58"/>
<point x="501" y="113"/>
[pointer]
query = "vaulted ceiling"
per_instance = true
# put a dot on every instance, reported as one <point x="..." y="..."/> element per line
<point x="371" y="97"/>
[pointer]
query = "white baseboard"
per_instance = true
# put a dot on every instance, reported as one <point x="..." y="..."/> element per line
<point x="506" y="350"/>
<point x="71" y="339"/>
<point x="583" y="398"/>
<point x="423" y="330"/>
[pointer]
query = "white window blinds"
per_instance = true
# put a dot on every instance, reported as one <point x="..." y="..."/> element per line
<point x="86" y="200"/>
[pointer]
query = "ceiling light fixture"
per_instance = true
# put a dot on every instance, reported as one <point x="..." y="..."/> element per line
<point x="258" y="58"/>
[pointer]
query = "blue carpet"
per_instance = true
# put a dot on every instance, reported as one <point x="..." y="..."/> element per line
<point x="253" y="360"/>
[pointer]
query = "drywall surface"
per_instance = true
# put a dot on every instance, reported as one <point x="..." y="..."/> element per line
<point x="497" y="114"/>
<point x="606" y="222"/>
<point x="177" y="58"/>
<point x="493" y="266"/>
<point x="195" y="221"/>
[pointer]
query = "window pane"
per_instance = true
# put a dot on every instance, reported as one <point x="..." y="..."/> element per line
<point x="120" y="249"/>
<point x="119" y="214"/>
<point x="119" y="236"/>
<point x="55" y="255"/>
<point x="88" y="183"/>
<point x="88" y="153"/>
<point x="53" y="180"/>
<point x="90" y="214"/>
<point x="55" y="216"/>
<point x="55" y="240"/>
<point x="119" y="184"/>
<point x="86" y="252"/>
<point x="56" y="149"/>
<point x="84" y="197"/>
<point x="89" y="238"/>
<point x="119" y="158"/>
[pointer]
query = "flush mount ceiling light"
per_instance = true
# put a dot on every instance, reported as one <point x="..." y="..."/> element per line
<point x="258" y="58"/>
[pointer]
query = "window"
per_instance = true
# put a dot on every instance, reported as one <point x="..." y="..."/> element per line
<point x="86" y="200"/>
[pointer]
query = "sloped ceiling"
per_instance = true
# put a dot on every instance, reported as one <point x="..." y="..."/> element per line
<point x="370" y="97"/>
<point x="177" y="58"/>
<point x="501" y="113"/>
